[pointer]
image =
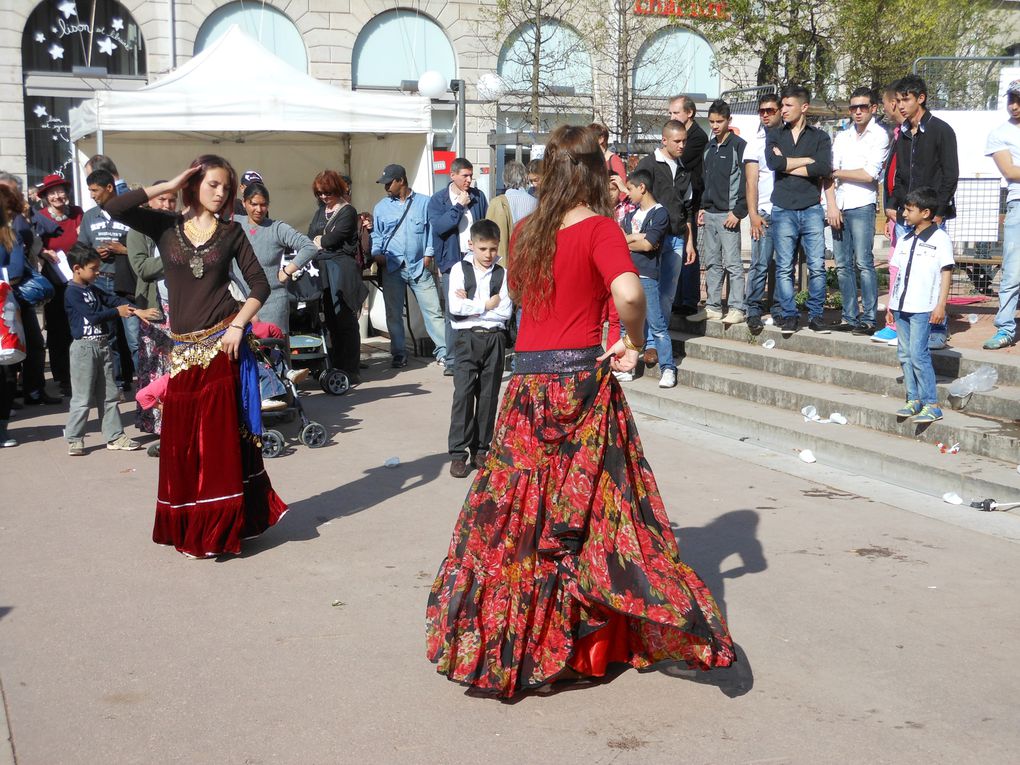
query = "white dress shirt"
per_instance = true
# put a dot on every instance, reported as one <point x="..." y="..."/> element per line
<point x="859" y="151"/>
<point x="755" y="152"/>
<point x="464" y="227"/>
<point x="473" y="309"/>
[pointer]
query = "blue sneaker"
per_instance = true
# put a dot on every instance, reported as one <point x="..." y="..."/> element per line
<point x="910" y="409"/>
<point x="930" y="413"/>
<point x="885" y="335"/>
<point x="1000" y="339"/>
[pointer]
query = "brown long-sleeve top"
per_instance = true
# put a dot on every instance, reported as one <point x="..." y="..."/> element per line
<point x="195" y="303"/>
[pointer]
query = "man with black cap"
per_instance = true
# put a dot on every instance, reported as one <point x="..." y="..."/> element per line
<point x="402" y="247"/>
<point x="247" y="178"/>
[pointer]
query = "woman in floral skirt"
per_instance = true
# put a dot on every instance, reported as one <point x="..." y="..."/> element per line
<point x="563" y="560"/>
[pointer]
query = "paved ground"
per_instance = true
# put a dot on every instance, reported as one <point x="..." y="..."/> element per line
<point x="868" y="633"/>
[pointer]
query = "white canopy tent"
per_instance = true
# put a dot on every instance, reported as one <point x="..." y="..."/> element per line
<point x="238" y="100"/>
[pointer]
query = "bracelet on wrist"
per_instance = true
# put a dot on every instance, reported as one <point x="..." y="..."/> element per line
<point x="237" y="326"/>
<point x="629" y="344"/>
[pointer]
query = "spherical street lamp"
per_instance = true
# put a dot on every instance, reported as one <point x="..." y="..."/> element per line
<point x="432" y="84"/>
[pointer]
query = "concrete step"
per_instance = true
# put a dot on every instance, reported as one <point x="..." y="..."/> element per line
<point x="883" y="379"/>
<point x="949" y="363"/>
<point x="982" y="436"/>
<point x="897" y="459"/>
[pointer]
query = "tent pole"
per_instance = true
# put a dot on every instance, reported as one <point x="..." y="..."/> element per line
<point x="75" y="172"/>
<point x="99" y="141"/>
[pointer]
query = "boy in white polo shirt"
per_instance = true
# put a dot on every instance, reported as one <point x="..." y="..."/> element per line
<point x="924" y="259"/>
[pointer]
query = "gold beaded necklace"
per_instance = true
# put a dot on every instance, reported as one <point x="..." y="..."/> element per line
<point x="198" y="237"/>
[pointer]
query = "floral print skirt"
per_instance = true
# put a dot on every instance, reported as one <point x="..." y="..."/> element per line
<point x="563" y="555"/>
<point x="154" y="346"/>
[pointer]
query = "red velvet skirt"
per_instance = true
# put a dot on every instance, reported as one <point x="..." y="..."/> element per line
<point x="563" y="555"/>
<point x="213" y="487"/>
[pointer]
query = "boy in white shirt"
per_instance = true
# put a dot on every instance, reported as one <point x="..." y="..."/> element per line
<point x="924" y="259"/>
<point x="480" y="306"/>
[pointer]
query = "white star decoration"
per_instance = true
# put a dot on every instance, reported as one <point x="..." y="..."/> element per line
<point x="68" y="9"/>
<point x="56" y="51"/>
<point x="118" y="24"/>
<point x="40" y="111"/>
<point x="40" y="37"/>
<point x="106" y="45"/>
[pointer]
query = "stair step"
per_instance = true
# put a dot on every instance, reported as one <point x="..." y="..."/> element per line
<point x="980" y="436"/>
<point x="949" y="362"/>
<point x="883" y="379"/>
<point x="906" y="462"/>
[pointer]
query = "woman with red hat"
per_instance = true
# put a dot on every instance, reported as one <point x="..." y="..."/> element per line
<point x="67" y="216"/>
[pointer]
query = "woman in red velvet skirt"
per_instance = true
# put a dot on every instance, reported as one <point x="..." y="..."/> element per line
<point x="213" y="488"/>
<point x="563" y="560"/>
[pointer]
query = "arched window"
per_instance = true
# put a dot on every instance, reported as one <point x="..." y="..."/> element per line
<point x="399" y="45"/>
<point x="563" y="59"/>
<point x="675" y="60"/>
<point x="103" y="45"/>
<point x="273" y="29"/>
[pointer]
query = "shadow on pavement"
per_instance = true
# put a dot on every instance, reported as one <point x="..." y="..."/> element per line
<point x="4" y="610"/>
<point x="376" y="485"/>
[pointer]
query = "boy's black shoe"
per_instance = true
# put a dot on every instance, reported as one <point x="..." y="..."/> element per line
<point x="819" y="327"/>
<point x="447" y="371"/>
<point x="41" y="397"/>
<point x="789" y="325"/>
<point x="864" y="329"/>
<point x="755" y="325"/>
<point x="399" y="362"/>
<point x="459" y="469"/>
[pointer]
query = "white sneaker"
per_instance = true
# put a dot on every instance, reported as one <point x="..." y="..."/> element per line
<point x="668" y="379"/>
<point x="298" y="376"/>
<point x="624" y="376"/>
<point x="701" y="315"/>
<point x="734" y="317"/>
<point x="273" y="405"/>
<point x="712" y="314"/>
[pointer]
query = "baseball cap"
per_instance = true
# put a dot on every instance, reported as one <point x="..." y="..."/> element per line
<point x="1013" y="90"/>
<point x="251" y="176"/>
<point x="391" y="173"/>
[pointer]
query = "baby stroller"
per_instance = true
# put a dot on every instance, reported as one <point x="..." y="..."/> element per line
<point x="307" y="340"/>
<point x="274" y="352"/>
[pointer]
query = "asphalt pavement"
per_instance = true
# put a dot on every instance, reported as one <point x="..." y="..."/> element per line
<point x="873" y="625"/>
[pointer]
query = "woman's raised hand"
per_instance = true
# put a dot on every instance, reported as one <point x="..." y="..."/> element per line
<point x="178" y="183"/>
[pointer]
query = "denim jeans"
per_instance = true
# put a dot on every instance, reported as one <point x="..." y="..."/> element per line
<point x="912" y="351"/>
<point x="720" y="252"/>
<point x="757" y="274"/>
<point x="1005" y="319"/>
<point x="670" y="265"/>
<point x="656" y="325"/>
<point x="449" y="332"/>
<point x="131" y="326"/>
<point x="853" y="248"/>
<point x="807" y="227"/>
<point x="395" y="284"/>
<point x="899" y="232"/>
<point x="105" y="282"/>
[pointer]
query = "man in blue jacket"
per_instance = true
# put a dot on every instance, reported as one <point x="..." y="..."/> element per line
<point x="451" y="212"/>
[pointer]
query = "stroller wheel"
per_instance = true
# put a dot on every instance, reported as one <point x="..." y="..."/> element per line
<point x="313" y="435"/>
<point x="272" y="444"/>
<point x="334" y="381"/>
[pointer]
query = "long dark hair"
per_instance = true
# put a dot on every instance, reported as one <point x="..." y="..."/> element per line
<point x="573" y="173"/>
<point x="189" y="194"/>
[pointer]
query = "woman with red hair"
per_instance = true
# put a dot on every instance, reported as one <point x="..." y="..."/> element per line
<point x="213" y="488"/>
<point x="563" y="559"/>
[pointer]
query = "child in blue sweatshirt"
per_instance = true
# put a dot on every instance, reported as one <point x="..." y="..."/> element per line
<point x="89" y="312"/>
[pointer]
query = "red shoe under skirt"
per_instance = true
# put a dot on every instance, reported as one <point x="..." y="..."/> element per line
<point x="213" y="487"/>
<point x="563" y="554"/>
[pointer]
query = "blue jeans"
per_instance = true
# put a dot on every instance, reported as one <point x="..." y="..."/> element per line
<point x="901" y="231"/>
<point x="1009" y="285"/>
<point x="105" y="282"/>
<point x="395" y="284"/>
<point x="656" y="325"/>
<point x="808" y="228"/>
<point x="912" y="351"/>
<point x="757" y="274"/>
<point x="853" y="248"/>
<point x="670" y="267"/>
<point x="132" y="325"/>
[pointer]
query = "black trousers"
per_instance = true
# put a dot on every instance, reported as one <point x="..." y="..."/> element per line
<point x="32" y="376"/>
<point x="58" y="337"/>
<point x="477" y="373"/>
<point x="344" y="335"/>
